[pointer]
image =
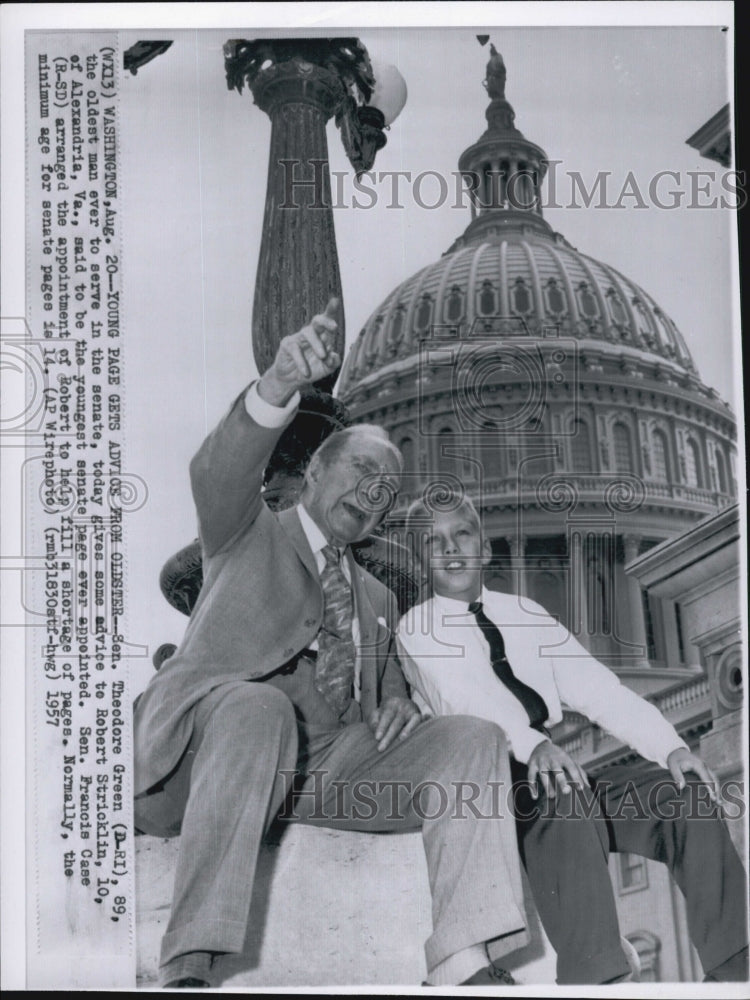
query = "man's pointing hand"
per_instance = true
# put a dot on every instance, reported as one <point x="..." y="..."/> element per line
<point x="303" y="357"/>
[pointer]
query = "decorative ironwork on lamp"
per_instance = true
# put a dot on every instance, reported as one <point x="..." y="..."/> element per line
<point x="362" y="125"/>
<point x="301" y="83"/>
<point x="371" y="95"/>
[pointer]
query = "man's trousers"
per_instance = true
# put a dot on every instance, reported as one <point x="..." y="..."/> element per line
<point x="565" y="844"/>
<point x="237" y="773"/>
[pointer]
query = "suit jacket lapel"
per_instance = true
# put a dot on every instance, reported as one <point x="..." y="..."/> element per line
<point x="367" y="658"/>
<point x="362" y="604"/>
<point x="289" y="520"/>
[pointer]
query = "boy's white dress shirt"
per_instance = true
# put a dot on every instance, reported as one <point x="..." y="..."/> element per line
<point x="446" y="660"/>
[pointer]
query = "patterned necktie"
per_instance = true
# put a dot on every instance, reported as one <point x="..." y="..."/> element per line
<point x="334" y="667"/>
<point x="535" y="705"/>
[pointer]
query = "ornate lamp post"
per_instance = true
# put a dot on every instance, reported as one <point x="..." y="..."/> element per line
<point x="301" y="83"/>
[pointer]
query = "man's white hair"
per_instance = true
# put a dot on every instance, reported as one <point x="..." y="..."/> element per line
<point x="368" y="434"/>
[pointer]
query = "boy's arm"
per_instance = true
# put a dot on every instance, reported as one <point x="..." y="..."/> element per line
<point x="455" y="686"/>
<point x="595" y="691"/>
<point x="421" y="691"/>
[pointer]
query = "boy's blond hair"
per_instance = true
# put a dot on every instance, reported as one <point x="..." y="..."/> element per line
<point x="420" y="512"/>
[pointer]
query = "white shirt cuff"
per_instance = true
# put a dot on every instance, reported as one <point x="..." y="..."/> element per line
<point x="266" y="414"/>
<point x="525" y="743"/>
<point x="662" y="757"/>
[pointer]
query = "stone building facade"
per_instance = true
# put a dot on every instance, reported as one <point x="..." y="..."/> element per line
<point x="563" y="399"/>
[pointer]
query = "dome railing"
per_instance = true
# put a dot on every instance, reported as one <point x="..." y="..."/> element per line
<point x="586" y="487"/>
<point x="689" y="700"/>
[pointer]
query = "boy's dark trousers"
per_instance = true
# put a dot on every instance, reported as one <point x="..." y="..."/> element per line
<point x="565" y="843"/>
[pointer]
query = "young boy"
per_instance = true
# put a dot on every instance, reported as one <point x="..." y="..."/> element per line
<point x="468" y="650"/>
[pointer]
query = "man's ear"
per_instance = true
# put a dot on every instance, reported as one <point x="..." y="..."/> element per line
<point x="486" y="552"/>
<point x="313" y="469"/>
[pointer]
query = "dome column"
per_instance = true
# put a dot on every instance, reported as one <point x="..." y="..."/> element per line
<point x="671" y="638"/>
<point x="497" y="193"/>
<point x="504" y="171"/>
<point x="517" y="545"/>
<point x="512" y="193"/>
<point x="636" y="633"/>
<point x="675" y="465"/>
<point x="578" y="619"/>
<point x="536" y="187"/>
<point x="527" y="189"/>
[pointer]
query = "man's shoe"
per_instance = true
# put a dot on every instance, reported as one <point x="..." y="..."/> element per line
<point x="188" y="983"/>
<point x="490" y="975"/>
<point x="634" y="961"/>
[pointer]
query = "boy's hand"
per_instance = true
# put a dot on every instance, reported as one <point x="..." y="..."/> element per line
<point x="681" y="761"/>
<point x="555" y="769"/>
<point x="396" y="717"/>
<point x="303" y="357"/>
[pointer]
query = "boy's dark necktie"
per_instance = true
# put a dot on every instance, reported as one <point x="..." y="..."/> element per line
<point x="535" y="705"/>
<point x="334" y="667"/>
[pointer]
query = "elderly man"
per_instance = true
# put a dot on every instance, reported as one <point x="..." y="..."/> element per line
<point x="286" y="691"/>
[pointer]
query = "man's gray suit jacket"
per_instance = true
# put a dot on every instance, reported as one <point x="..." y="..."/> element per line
<point x="261" y="601"/>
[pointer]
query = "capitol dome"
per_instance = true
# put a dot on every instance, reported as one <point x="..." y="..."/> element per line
<point x="559" y="396"/>
<point x="516" y="281"/>
<point x="510" y="273"/>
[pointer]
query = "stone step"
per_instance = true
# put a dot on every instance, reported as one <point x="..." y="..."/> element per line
<point x="329" y="908"/>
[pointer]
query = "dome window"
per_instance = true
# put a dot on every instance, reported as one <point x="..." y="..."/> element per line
<point x="370" y="342"/>
<point x="487" y="299"/>
<point x="492" y="455"/>
<point x="454" y="310"/>
<point x="397" y="326"/>
<point x="554" y="298"/>
<point x="644" y="327"/>
<point x="424" y="313"/>
<point x="374" y="332"/>
<point x="587" y="301"/>
<point x="580" y="447"/>
<point x="521" y="297"/>
<point x="661" y="462"/>
<point x="406" y="447"/>
<point x="616" y="308"/>
<point x="721" y="472"/>
<point x="692" y="464"/>
<point x="665" y="334"/>
<point x="623" y="449"/>
<point x="446" y="455"/>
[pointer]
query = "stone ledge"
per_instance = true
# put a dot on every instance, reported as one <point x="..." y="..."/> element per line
<point x="346" y="909"/>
